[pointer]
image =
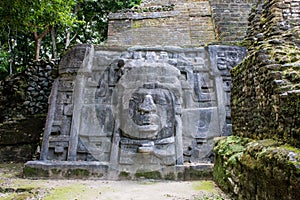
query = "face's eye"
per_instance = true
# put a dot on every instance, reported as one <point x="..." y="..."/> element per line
<point x="160" y="101"/>
<point x="135" y="99"/>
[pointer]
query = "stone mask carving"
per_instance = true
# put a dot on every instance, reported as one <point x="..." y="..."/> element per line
<point x="152" y="110"/>
<point x="148" y="109"/>
<point x="145" y="104"/>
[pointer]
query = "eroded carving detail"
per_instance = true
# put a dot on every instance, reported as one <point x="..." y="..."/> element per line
<point x="225" y="58"/>
<point x="143" y="108"/>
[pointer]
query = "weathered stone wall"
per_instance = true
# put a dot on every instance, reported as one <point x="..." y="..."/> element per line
<point x="20" y="138"/>
<point x="26" y="93"/>
<point x="262" y="160"/>
<point x="62" y="100"/>
<point x="180" y="23"/>
<point x="99" y="93"/>
<point x="264" y="169"/>
<point x="230" y="18"/>
<point x="265" y="93"/>
<point x="146" y="3"/>
<point x="23" y="108"/>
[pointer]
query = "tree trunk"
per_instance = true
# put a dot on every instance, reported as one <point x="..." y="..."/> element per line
<point x="37" y="49"/>
<point x="68" y="37"/>
<point x="54" y="47"/>
<point x="38" y="41"/>
<point x="10" y="48"/>
<point x="68" y="30"/>
<point x="68" y="40"/>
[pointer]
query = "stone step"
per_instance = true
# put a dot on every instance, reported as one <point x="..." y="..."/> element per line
<point x="102" y="170"/>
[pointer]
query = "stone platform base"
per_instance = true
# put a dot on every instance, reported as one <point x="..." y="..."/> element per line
<point x="100" y="170"/>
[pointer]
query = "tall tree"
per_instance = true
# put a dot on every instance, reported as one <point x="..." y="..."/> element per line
<point x="45" y="15"/>
<point x="95" y="13"/>
<point x="25" y="26"/>
<point x="37" y="16"/>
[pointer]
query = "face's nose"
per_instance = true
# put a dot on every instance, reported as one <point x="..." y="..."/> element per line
<point x="148" y="105"/>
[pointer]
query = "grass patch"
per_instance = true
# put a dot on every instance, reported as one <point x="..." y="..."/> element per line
<point x="74" y="191"/>
<point x="18" y="196"/>
<point x="208" y="186"/>
<point x="9" y="170"/>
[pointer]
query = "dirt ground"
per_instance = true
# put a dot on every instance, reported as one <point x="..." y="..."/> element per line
<point x="13" y="186"/>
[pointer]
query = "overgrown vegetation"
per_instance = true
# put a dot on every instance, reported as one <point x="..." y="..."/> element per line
<point x="44" y="29"/>
<point x="227" y="152"/>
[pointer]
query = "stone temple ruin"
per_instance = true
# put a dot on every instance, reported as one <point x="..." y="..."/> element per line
<point x="138" y="109"/>
<point x="132" y="111"/>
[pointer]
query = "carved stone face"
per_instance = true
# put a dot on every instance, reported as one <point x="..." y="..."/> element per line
<point x="144" y="101"/>
<point x="151" y="109"/>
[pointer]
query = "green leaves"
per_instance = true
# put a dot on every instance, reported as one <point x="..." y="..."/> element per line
<point x="4" y="61"/>
<point x="45" y="13"/>
<point x="71" y="21"/>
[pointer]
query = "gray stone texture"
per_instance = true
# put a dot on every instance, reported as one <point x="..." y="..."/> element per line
<point x="169" y="22"/>
<point x="26" y="93"/>
<point x="23" y="108"/>
<point x="148" y="108"/>
<point x="230" y="18"/>
<point x="266" y="84"/>
<point x="181" y="23"/>
<point x="139" y="108"/>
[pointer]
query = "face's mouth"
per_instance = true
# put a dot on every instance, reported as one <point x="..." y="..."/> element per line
<point x="149" y="123"/>
<point x="149" y="119"/>
<point x="150" y="128"/>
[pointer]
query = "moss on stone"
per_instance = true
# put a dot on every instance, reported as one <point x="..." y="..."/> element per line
<point x="170" y="176"/>
<point x="77" y="173"/>
<point x="55" y="171"/>
<point x="180" y="176"/>
<point x="195" y="174"/>
<point x="35" y="172"/>
<point x="219" y="174"/>
<point x="255" y="164"/>
<point x="99" y="175"/>
<point x="228" y="152"/>
<point x="124" y="175"/>
<point x="148" y="174"/>
<point x="230" y="145"/>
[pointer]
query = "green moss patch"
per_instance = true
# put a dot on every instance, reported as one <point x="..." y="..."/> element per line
<point x="148" y="174"/>
<point x="35" y="172"/>
<point x="170" y="176"/>
<point x="230" y="146"/>
<point x="77" y="173"/>
<point x="196" y="174"/>
<point x="243" y="165"/>
<point x="124" y="175"/>
<point x="227" y="151"/>
<point x="204" y="186"/>
<point x="67" y="192"/>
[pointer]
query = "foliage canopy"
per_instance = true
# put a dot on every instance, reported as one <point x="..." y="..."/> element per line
<point x="43" y="29"/>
